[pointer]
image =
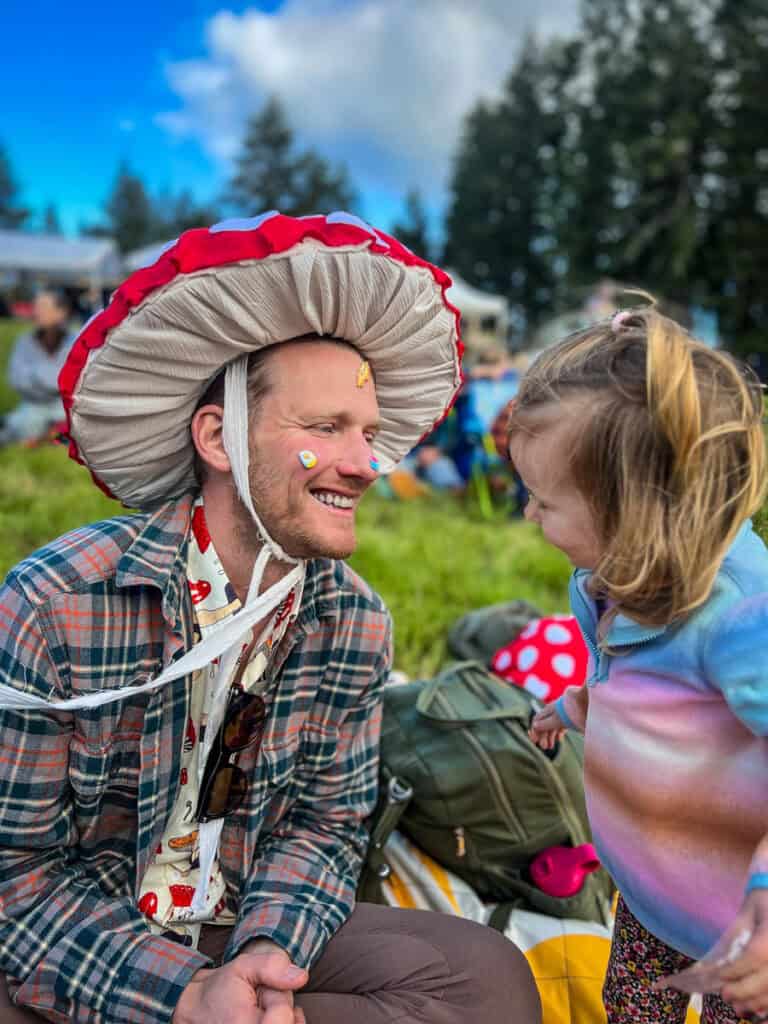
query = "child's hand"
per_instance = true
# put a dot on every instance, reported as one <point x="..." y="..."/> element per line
<point x="737" y="967"/>
<point x="547" y="728"/>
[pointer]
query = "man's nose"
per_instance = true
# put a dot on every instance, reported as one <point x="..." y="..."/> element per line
<point x="358" y="460"/>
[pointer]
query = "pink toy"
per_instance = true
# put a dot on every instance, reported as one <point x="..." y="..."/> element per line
<point x="561" y="870"/>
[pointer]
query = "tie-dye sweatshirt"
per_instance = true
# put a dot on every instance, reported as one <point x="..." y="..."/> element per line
<point x="676" y="756"/>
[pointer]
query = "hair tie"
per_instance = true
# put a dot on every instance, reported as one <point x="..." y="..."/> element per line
<point x="619" y="320"/>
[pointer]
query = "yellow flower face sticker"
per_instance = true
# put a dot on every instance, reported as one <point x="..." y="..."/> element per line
<point x="307" y="458"/>
<point x="363" y="373"/>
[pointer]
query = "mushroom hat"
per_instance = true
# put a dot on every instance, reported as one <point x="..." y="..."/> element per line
<point x="138" y="368"/>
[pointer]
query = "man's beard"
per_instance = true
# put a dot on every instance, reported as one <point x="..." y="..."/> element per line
<point x="298" y="542"/>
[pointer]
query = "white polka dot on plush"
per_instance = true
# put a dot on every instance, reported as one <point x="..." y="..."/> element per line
<point x="503" y="660"/>
<point x="536" y="686"/>
<point x="556" y="634"/>
<point x="530" y="629"/>
<point x="526" y="658"/>
<point x="564" y="665"/>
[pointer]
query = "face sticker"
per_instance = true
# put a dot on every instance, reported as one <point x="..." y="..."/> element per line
<point x="375" y="465"/>
<point x="364" y="373"/>
<point x="307" y="458"/>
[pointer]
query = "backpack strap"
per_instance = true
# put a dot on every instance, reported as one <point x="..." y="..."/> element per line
<point x="468" y="692"/>
<point x="501" y="914"/>
<point x="395" y="796"/>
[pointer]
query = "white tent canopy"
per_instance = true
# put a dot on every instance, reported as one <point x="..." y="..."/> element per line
<point x="92" y="261"/>
<point x="145" y="256"/>
<point x="472" y="302"/>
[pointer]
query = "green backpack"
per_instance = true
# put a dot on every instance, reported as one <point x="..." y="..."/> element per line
<point x="461" y="778"/>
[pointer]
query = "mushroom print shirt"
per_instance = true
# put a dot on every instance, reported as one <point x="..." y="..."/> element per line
<point x="169" y="884"/>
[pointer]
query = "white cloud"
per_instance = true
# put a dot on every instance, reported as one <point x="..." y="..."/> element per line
<point x="381" y="84"/>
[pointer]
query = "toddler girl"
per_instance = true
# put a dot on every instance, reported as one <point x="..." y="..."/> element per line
<point x="643" y="454"/>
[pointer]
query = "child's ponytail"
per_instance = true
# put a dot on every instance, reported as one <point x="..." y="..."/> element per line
<point x="673" y="394"/>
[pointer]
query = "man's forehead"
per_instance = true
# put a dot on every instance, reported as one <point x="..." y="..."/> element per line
<point x="311" y="349"/>
<point x="312" y="375"/>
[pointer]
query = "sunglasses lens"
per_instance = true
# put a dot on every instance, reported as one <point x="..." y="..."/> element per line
<point x="228" y="788"/>
<point x="244" y="722"/>
<point x="225" y="785"/>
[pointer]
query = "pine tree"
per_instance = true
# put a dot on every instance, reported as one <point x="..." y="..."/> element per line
<point x="11" y="215"/>
<point x="181" y="212"/>
<point x="131" y="219"/>
<point x="271" y="175"/>
<point x="502" y="222"/>
<point x="413" y="230"/>
<point x="51" y="225"/>
<point x="638" y="206"/>
<point x="735" y="254"/>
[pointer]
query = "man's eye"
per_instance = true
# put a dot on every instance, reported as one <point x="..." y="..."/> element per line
<point x="325" y="428"/>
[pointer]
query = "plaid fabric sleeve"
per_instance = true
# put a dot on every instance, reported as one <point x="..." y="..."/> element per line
<point x="302" y="888"/>
<point x="71" y="952"/>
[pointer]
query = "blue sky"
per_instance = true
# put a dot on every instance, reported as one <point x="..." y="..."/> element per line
<point x="167" y="85"/>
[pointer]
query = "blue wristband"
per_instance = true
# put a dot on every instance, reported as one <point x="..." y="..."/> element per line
<point x="757" y="881"/>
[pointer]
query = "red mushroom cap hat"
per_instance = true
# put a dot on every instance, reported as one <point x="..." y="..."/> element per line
<point x="138" y="368"/>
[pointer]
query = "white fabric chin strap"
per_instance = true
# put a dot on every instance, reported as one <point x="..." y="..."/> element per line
<point x="236" y="445"/>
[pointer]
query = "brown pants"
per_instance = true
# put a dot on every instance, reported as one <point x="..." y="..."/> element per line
<point x="391" y="966"/>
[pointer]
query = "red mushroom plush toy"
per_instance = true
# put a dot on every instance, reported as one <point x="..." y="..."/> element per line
<point x="549" y="655"/>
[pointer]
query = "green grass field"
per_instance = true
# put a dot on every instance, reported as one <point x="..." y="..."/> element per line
<point x="431" y="560"/>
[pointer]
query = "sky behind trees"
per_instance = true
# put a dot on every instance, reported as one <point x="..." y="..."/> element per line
<point x="381" y="85"/>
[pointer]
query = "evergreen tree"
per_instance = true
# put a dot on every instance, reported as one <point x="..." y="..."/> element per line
<point x="11" y="215"/>
<point x="181" y="212"/>
<point x="51" y="225"/>
<point x="131" y="218"/>
<point x="502" y="222"/>
<point x="271" y="175"/>
<point x="735" y="255"/>
<point x="413" y="230"/>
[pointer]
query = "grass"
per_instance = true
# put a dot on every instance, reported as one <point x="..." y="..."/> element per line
<point x="432" y="560"/>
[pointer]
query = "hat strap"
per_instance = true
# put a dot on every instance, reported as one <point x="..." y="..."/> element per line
<point x="236" y="445"/>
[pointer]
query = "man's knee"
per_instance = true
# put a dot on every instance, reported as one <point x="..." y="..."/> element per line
<point x="498" y="972"/>
<point x="471" y="965"/>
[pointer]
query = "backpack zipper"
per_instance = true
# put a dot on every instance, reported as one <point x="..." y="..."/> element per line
<point x="461" y="843"/>
<point x="493" y="773"/>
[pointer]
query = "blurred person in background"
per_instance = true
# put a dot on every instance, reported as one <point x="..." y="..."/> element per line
<point x="33" y="371"/>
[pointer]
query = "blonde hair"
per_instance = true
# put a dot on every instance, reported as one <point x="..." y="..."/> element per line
<point x="669" y="454"/>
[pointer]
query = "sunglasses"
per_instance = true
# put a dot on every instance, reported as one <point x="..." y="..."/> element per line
<point x="224" y="783"/>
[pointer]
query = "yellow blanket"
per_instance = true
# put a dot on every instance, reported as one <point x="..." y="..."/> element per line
<point x="568" y="957"/>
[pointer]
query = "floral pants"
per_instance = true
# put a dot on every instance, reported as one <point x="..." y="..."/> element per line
<point x="637" y="960"/>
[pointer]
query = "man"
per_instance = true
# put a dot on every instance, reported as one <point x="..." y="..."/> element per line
<point x="33" y="370"/>
<point x="193" y="694"/>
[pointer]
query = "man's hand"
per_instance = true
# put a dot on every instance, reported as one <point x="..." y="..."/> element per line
<point x="547" y="728"/>
<point x="737" y="967"/>
<point x="255" y="988"/>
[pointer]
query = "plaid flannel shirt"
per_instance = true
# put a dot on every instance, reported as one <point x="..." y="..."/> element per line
<point x="84" y="796"/>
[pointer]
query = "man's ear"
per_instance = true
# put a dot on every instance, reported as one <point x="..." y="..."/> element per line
<point x="207" y="428"/>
